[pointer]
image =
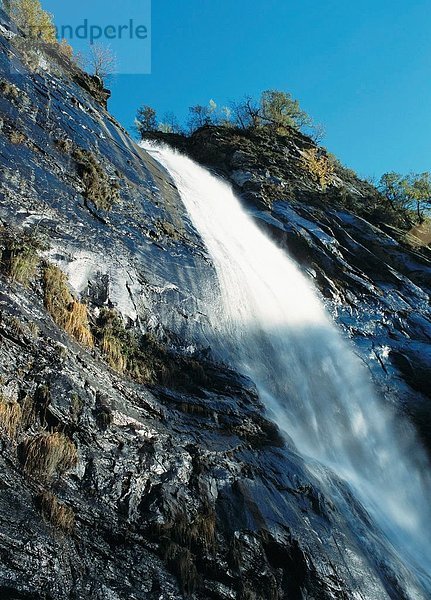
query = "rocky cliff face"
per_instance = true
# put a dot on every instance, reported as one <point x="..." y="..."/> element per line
<point x="134" y="466"/>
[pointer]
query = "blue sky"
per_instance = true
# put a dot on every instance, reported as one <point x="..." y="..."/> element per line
<point x="360" y="68"/>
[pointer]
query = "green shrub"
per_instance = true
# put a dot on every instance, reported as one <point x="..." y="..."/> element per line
<point x="408" y="194"/>
<point x="146" y="120"/>
<point x="35" y="22"/>
<point x="66" y="49"/>
<point x="281" y="112"/>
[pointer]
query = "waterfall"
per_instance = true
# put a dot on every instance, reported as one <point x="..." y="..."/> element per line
<point x="267" y="321"/>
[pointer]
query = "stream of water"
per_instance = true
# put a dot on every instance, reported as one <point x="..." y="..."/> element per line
<point x="268" y="322"/>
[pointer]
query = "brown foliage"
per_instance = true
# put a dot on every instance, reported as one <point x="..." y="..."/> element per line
<point x="59" y="515"/>
<point x="319" y="166"/>
<point x="67" y="312"/>
<point x="47" y="454"/>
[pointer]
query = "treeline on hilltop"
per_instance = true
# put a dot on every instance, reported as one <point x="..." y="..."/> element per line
<point x="279" y="113"/>
<point x="274" y="110"/>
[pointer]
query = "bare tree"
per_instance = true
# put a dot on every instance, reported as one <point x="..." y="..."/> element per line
<point x="318" y="133"/>
<point x="101" y="61"/>
<point x="169" y="123"/>
<point x="247" y="113"/>
<point x="199" y="116"/>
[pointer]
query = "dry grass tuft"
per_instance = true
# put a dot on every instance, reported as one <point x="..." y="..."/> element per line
<point x="182" y="562"/>
<point x="19" y="257"/>
<point x="48" y="454"/>
<point x="67" y="312"/>
<point x="59" y="515"/>
<point x="9" y="90"/>
<point x="57" y="296"/>
<point x="247" y="593"/>
<point x="28" y="411"/>
<point x="195" y="409"/>
<point x="76" y="407"/>
<point x="77" y="324"/>
<point x="23" y="267"/>
<point x="17" y="326"/>
<point x="319" y="166"/>
<point x="10" y="418"/>
<point x="112" y="348"/>
<point x="65" y="145"/>
<point x="99" y="188"/>
<point x="122" y="348"/>
<point x="164" y="228"/>
<point x="203" y="530"/>
<point x="34" y="329"/>
<point x="197" y="535"/>
<point x="144" y="358"/>
<point x="17" y="137"/>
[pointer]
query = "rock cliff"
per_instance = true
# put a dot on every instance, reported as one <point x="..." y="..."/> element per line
<point x="134" y="465"/>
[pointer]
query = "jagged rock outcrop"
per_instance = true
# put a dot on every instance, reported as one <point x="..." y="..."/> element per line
<point x="133" y="465"/>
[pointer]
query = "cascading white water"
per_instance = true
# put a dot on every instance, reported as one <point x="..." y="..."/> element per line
<point x="267" y="321"/>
